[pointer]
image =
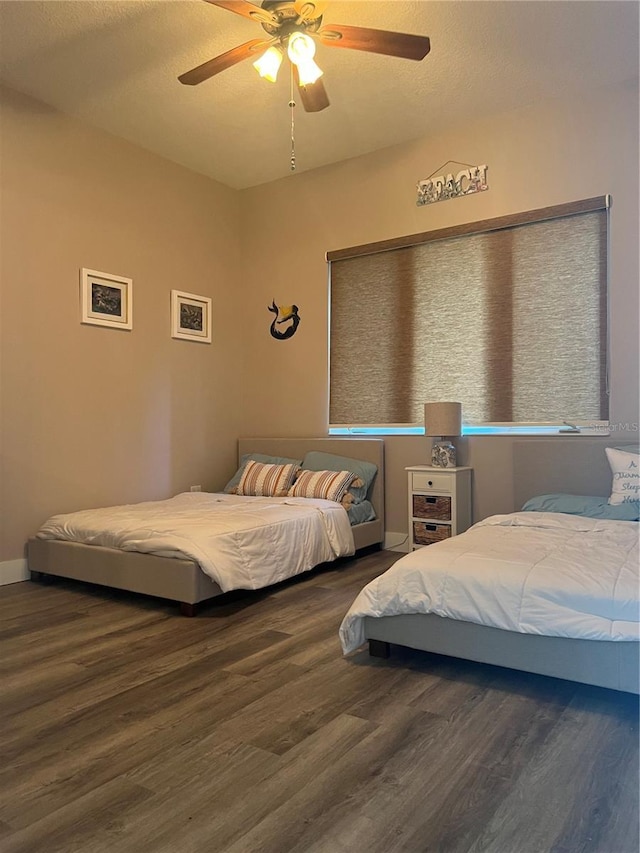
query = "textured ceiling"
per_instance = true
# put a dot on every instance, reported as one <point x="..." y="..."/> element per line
<point x="115" y="65"/>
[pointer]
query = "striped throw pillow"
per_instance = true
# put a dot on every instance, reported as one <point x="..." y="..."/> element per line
<point x="329" y="485"/>
<point x="265" y="480"/>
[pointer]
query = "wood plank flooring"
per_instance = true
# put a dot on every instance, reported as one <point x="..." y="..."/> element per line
<point x="128" y="728"/>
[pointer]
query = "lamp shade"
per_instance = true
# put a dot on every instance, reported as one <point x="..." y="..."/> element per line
<point x="268" y="64"/>
<point x="443" y="419"/>
<point x="301" y="47"/>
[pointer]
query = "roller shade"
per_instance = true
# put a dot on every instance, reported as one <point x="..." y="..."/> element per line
<point x="509" y="317"/>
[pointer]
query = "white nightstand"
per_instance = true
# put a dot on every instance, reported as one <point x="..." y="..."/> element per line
<point x="439" y="503"/>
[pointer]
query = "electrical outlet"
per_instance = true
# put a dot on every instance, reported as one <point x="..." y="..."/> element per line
<point x="196" y="488"/>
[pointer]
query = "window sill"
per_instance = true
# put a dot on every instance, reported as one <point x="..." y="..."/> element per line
<point x="488" y="429"/>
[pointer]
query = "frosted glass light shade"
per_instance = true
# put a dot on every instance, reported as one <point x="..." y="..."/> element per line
<point x="443" y="419"/>
<point x="308" y="72"/>
<point x="269" y="63"/>
<point x="300" y="48"/>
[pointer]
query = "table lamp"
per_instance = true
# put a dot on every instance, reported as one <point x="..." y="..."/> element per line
<point x="443" y="421"/>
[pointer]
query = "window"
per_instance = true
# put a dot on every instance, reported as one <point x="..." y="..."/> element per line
<point x="507" y="316"/>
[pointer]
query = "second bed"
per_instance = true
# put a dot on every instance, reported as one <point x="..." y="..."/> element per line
<point x="254" y="541"/>
<point x="550" y="590"/>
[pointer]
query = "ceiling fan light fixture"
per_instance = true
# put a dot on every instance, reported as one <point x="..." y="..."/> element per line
<point x="300" y="48"/>
<point x="297" y="25"/>
<point x="308" y="72"/>
<point x="269" y="63"/>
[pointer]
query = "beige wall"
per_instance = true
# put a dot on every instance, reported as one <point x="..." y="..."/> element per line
<point x="537" y="156"/>
<point x="93" y="416"/>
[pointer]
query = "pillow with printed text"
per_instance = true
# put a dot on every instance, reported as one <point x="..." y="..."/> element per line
<point x="625" y="469"/>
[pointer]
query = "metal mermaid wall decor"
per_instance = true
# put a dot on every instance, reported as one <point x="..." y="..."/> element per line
<point x="284" y="315"/>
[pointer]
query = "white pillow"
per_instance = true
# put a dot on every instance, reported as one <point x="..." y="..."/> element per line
<point x="626" y="476"/>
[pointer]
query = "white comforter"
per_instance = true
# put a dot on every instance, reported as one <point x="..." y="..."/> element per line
<point x="241" y="542"/>
<point x="530" y="572"/>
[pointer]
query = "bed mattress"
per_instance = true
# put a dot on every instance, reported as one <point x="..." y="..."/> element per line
<point x="540" y="573"/>
<point x="240" y="542"/>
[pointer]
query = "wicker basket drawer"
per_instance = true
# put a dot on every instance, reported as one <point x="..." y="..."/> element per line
<point x="426" y="534"/>
<point x="432" y="506"/>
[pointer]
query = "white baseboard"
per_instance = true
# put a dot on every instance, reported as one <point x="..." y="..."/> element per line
<point x="13" y="571"/>
<point x="396" y="542"/>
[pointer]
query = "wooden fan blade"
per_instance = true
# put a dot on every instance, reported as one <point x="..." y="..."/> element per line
<point x="309" y="10"/>
<point x="247" y="10"/>
<point x="313" y="96"/>
<point x="225" y="60"/>
<point x="403" y="45"/>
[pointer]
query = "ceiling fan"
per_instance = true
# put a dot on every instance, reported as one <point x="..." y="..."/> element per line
<point x="292" y="26"/>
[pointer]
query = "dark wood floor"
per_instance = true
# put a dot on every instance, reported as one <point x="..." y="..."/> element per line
<point x="127" y="727"/>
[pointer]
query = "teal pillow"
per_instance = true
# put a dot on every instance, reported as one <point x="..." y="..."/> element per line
<point x="359" y="513"/>
<point x="317" y="460"/>
<point x="257" y="457"/>
<point x="586" y="505"/>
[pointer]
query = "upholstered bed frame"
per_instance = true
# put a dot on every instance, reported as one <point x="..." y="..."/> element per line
<point x="182" y="580"/>
<point x="573" y="466"/>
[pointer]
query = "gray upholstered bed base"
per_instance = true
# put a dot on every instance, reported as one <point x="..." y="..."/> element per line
<point x="575" y="465"/>
<point x="182" y="580"/>
<point x="165" y="577"/>
<point x="605" y="664"/>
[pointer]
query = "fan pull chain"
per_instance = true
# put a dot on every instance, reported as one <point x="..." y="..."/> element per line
<point x="292" y="105"/>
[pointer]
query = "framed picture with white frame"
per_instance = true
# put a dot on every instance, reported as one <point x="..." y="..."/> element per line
<point x="190" y="317"/>
<point x="106" y="299"/>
